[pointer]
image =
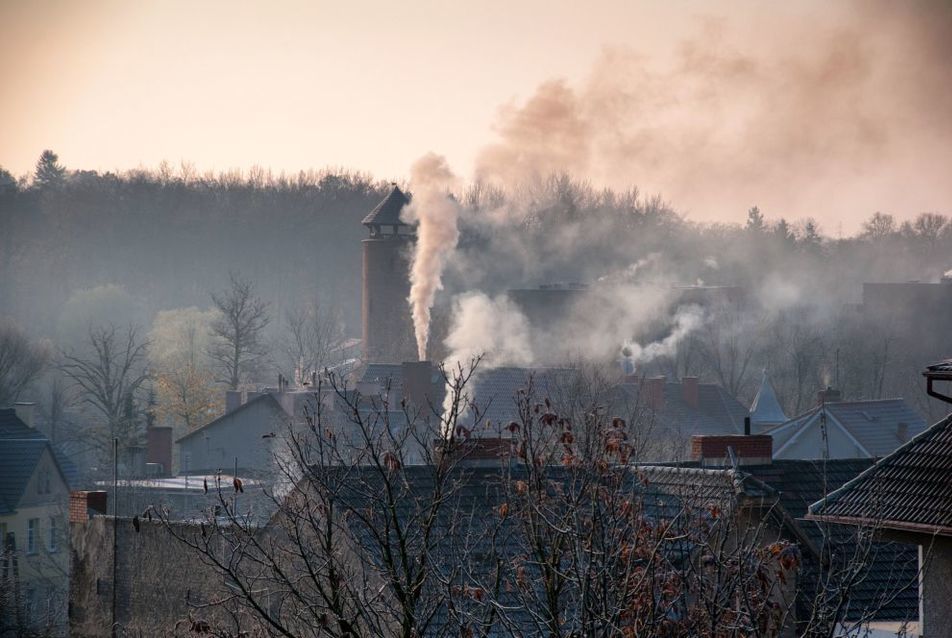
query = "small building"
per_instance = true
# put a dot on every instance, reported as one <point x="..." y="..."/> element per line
<point x="837" y="429"/>
<point x="906" y="496"/>
<point x="34" y="495"/>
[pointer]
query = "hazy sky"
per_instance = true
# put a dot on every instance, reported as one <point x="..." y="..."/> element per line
<point x="373" y="85"/>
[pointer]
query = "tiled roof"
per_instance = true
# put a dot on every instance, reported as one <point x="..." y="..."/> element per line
<point x="387" y="212"/>
<point x="18" y="459"/>
<point x="887" y="586"/>
<point x="266" y="397"/>
<point x="908" y="490"/>
<point x="874" y="424"/>
<point x="20" y="449"/>
<point x="469" y="539"/>
<point x="766" y="408"/>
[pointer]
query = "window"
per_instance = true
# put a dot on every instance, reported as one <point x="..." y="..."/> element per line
<point x="51" y="539"/>
<point x="32" y="533"/>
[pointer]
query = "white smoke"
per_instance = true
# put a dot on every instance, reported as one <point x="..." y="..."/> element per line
<point x="436" y="214"/>
<point x="493" y="328"/>
<point x="686" y="320"/>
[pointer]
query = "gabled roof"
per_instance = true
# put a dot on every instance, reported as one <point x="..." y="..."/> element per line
<point x="18" y="459"/>
<point x="265" y="398"/>
<point x="907" y="490"/>
<point x="765" y="409"/>
<point x="873" y="425"/>
<point x="20" y="450"/>
<point x="387" y="212"/>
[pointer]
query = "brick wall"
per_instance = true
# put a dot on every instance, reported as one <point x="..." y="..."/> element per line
<point x="755" y="449"/>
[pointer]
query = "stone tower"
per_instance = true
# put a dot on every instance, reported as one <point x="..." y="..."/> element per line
<point x="387" y="325"/>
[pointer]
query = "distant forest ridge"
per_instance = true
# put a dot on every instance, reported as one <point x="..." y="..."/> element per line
<point x="168" y="236"/>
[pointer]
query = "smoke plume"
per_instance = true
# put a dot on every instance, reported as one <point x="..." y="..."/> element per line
<point x="686" y="320"/>
<point x="756" y="116"/>
<point x="493" y="328"/>
<point x="436" y="214"/>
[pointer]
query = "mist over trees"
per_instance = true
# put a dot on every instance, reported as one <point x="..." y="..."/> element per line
<point x="82" y="250"/>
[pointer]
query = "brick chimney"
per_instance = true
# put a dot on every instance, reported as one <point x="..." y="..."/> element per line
<point x="828" y="396"/>
<point x="80" y="504"/>
<point x="690" y="391"/>
<point x="418" y="383"/>
<point x="654" y="392"/>
<point x="158" y="448"/>
<point x="233" y="400"/>
<point x="712" y="450"/>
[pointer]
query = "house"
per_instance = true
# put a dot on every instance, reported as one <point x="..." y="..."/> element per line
<point x="466" y="540"/>
<point x="34" y="492"/>
<point x="884" y="587"/>
<point x="906" y="496"/>
<point x="839" y="429"/>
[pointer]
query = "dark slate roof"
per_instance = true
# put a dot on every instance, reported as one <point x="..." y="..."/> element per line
<point x="468" y="536"/>
<point x="12" y="427"/>
<point x="887" y="588"/>
<point x="717" y="412"/>
<point x="18" y="459"/>
<point x="20" y="448"/>
<point x="387" y="212"/>
<point x="888" y="585"/>
<point x="266" y="397"/>
<point x="908" y="490"/>
<point x="875" y="424"/>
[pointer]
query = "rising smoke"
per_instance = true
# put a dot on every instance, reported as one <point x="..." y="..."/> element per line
<point x="435" y="212"/>
<point x="743" y="117"/>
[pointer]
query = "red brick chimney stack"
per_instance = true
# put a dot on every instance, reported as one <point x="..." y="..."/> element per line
<point x="711" y="450"/>
<point x="81" y="502"/>
<point x="158" y="448"/>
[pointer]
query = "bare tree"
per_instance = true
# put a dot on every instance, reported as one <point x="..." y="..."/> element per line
<point x="314" y="334"/>
<point x="238" y="331"/>
<point x="21" y="362"/>
<point x="108" y="379"/>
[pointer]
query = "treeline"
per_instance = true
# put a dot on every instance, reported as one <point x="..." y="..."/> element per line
<point x="169" y="237"/>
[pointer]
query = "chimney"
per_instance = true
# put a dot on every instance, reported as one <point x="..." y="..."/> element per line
<point x="418" y="383"/>
<point x="480" y="451"/>
<point x="233" y="400"/>
<point x="828" y="396"/>
<point x="24" y="411"/>
<point x="690" y="390"/>
<point x="654" y="392"/>
<point x="159" y="448"/>
<point x="80" y="504"/>
<point x="712" y="450"/>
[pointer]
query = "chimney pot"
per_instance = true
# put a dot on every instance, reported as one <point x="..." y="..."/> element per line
<point x="828" y="396"/>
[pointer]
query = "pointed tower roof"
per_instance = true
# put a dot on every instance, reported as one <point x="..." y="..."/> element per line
<point x="387" y="212"/>
<point x="766" y="410"/>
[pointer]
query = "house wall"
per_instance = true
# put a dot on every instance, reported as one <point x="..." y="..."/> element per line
<point x="43" y="574"/>
<point x="155" y="578"/>
<point x="235" y="435"/>
<point x="935" y="590"/>
<point x="810" y="445"/>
